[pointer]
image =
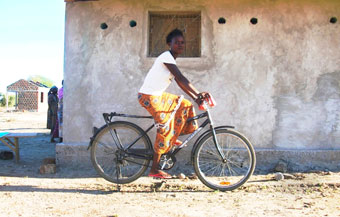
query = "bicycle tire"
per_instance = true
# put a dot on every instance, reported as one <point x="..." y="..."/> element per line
<point x="104" y="152"/>
<point x="230" y="174"/>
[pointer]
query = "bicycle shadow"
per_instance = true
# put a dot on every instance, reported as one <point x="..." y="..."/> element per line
<point x="124" y="190"/>
<point x="261" y="180"/>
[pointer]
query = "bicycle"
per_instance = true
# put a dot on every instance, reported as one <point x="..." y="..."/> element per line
<point x="121" y="151"/>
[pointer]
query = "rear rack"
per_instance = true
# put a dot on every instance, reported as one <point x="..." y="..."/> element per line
<point x="108" y="117"/>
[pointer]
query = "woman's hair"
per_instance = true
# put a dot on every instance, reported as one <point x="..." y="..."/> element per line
<point x="174" y="33"/>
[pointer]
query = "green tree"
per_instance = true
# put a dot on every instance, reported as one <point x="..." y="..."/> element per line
<point x="2" y="99"/>
<point x="41" y="79"/>
<point x="11" y="100"/>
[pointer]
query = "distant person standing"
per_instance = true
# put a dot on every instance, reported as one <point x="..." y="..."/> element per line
<point x="52" y="120"/>
<point x="60" y="111"/>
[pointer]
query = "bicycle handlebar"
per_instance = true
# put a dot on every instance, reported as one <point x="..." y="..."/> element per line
<point x="207" y="102"/>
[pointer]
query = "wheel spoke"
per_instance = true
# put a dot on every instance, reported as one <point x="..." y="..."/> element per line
<point x="211" y="159"/>
<point x="222" y="174"/>
<point x="105" y="145"/>
<point x="207" y="171"/>
<point x="231" y="171"/>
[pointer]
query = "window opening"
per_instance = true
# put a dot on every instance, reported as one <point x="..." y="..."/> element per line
<point x="161" y="23"/>
<point x="253" y="20"/>
<point x="221" y="20"/>
<point x="333" y="20"/>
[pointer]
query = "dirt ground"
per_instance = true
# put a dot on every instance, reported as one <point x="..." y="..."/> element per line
<point x="80" y="192"/>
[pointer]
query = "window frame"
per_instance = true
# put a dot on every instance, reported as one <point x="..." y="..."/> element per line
<point x="174" y="13"/>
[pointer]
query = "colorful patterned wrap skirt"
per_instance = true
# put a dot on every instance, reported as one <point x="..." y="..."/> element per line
<point x="161" y="107"/>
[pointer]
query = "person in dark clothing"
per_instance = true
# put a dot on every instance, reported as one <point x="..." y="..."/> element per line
<point x="60" y="111"/>
<point x="52" y="121"/>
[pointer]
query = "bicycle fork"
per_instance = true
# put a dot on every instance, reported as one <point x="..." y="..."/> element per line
<point x="215" y="137"/>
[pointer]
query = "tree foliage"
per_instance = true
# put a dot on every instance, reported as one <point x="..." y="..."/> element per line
<point x="41" y="79"/>
<point x="11" y="100"/>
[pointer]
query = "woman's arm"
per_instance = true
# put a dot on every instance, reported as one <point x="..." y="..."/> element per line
<point x="184" y="83"/>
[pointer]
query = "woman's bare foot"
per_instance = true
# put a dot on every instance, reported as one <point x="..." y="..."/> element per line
<point x="160" y="174"/>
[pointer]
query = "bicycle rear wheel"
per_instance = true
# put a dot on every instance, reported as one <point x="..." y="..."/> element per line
<point x="228" y="174"/>
<point x="113" y="163"/>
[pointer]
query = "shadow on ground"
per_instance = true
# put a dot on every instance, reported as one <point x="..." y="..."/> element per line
<point x="106" y="189"/>
<point x="32" y="153"/>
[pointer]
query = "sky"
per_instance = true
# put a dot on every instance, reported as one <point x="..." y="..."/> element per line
<point x="31" y="40"/>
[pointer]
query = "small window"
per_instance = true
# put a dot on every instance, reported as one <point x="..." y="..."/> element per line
<point x="42" y="97"/>
<point x="161" y="23"/>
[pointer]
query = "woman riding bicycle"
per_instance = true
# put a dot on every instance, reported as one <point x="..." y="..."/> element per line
<point x="160" y="104"/>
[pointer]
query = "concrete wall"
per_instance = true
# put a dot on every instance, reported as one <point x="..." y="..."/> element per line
<point x="277" y="81"/>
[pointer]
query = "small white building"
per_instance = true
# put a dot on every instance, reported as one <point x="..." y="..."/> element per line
<point x="29" y="95"/>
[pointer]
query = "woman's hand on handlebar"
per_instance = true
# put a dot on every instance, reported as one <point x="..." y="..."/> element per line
<point x="201" y="97"/>
<point x="205" y="99"/>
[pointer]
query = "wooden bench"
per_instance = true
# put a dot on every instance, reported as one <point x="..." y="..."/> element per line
<point x="12" y="141"/>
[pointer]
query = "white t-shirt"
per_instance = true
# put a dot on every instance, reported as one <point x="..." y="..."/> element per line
<point x="159" y="77"/>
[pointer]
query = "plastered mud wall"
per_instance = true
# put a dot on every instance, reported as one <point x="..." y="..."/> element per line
<point x="277" y="81"/>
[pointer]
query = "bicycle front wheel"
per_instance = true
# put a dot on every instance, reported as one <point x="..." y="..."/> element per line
<point x="231" y="172"/>
<point x="111" y="161"/>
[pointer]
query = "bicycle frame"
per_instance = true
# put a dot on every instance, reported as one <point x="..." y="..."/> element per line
<point x="108" y="118"/>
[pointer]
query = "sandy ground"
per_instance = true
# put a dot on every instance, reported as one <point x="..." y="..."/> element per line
<point x="80" y="192"/>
